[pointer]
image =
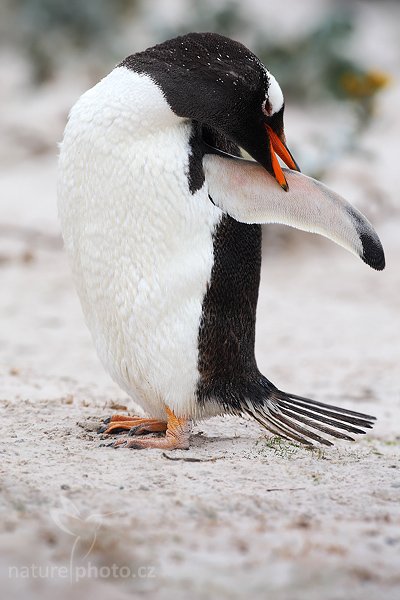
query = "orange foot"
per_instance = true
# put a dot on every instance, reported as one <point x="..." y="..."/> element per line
<point x="176" y="437"/>
<point x="135" y="425"/>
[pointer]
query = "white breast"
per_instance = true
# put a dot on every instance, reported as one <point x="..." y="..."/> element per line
<point x="140" y="243"/>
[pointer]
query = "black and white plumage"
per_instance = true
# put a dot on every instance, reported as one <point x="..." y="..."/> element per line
<point x="162" y="220"/>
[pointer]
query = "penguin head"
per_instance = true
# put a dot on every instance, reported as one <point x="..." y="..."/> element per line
<point x="218" y="82"/>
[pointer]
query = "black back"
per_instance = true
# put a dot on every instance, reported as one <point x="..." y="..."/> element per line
<point x="226" y="340"/>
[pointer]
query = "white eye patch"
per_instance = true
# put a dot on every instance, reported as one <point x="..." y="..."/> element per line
<point x="274" y="102"/>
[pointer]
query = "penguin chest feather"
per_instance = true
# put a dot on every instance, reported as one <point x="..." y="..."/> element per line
<point x="140" y="243"/>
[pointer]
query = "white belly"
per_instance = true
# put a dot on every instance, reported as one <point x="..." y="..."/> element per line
<point x="141" y="249"/>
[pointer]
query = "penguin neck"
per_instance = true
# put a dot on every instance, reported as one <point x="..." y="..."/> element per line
<point x="127" y="101"/>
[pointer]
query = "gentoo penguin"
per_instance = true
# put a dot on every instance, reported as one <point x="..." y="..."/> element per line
<point x="161" y="219"/>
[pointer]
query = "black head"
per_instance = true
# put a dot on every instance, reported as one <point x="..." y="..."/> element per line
<point x="218" y="82"/>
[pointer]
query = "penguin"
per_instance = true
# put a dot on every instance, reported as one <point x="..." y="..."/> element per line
<point x="161" y="219"/>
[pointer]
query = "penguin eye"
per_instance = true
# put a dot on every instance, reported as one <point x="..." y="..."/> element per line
<point x="267" y="107"/>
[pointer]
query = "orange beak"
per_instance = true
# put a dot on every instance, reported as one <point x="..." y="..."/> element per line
<point x="278" y="146"/>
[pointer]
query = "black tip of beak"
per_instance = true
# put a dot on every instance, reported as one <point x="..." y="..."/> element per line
<point x="285" y="186"/>
<point x="296" y="165"/>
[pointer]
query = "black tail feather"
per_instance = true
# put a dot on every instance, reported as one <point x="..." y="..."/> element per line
<point x="284" y="405"/>
<point x="344" y="411"/>
<point x="293" y="425"/>
<point x="298" y="418"/>
<point x="277" y="428"/>
<point x="320" y="427"/>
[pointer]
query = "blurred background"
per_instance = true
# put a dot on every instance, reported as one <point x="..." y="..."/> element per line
<point x="337" y="62"/>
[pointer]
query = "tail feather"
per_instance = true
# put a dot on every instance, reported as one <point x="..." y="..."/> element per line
<point x="300" y="419"/>
<point x="344" y="411"/>
<point x="336" y="423"/>
<point x="275" y="427"/>
<point x="292" y="424"/>
<point x="320" y="427"/>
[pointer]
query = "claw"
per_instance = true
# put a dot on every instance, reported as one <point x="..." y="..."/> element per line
<point x="176" y="437"/>
<point x="133" y="430"/>
<point x="138" y="425"/>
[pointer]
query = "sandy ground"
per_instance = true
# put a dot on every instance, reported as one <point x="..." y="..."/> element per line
<point x="250" y="515"/>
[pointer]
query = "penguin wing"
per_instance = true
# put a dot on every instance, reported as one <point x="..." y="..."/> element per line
<point x="249" y="194"/>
